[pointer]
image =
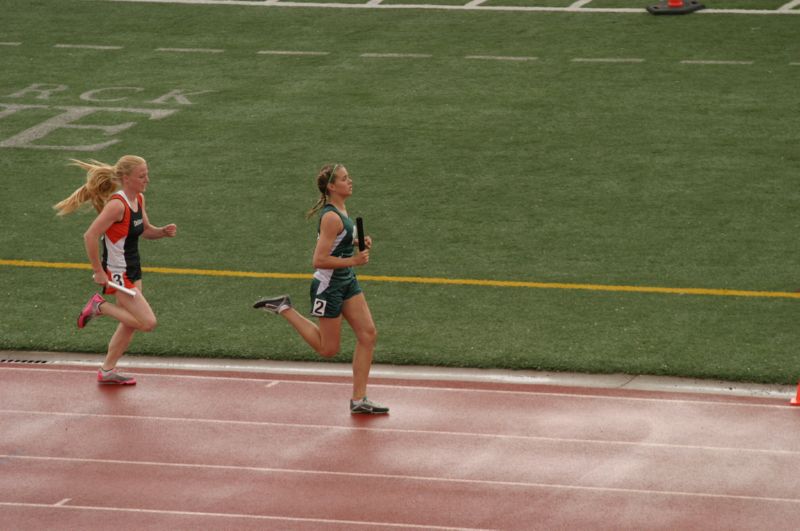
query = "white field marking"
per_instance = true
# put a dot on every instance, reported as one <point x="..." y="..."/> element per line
<point x="10" y="43"/>
<point x="501" y="57"/>
<point x="62" y="502"/>
<point x="607" y="60"/>
<point x="230" y="515"/>
<point x="279" y="3"/>
<point x="273" y="383"/>
<point x="748" y="12"/>
<point x="402" y="431"/>
<point x="789" y="5"/>
<point x="429" y="479"/>
<point x="794" y="64"/>
<point x="282" y="3"/>
<point x="594" y="397"/>
<point x="397" y="55"/>
<point x="578" y="4"/>
<point x="474" y="3"/>
<point x="711" y="62"/>
<point x="374" y="2"/>
<point x="190" y="50"/>
<point x="289" y="52"/>
<point x="88" y="46"/>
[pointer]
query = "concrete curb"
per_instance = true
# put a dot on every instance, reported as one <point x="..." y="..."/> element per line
<point x="420" y="373"/>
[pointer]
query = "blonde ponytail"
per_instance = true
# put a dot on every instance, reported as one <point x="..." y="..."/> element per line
<point x="102" y="180"/>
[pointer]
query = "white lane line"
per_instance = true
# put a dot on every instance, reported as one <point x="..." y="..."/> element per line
<point x="607" y="60"/>
<point x="712" y="62"/>
<point x="271" y="384"/>
<point x="397" y="55"/>
<point x="289" y="52"/>
<point x="10" y="43"/>
<point x="63" y="502"/>
<point x="230" y="515"/>
<point x="428" y="479"/>
<point x="402" y="431"/>
<point x="467" y="390"/>
<point x="190" y="50"/>
<point x="88" y="46"/>
<point x="501" y="57"/>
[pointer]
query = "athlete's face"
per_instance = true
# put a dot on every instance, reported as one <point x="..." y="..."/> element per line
<point x="139" y="178"/>
<point x="342" y="183"/>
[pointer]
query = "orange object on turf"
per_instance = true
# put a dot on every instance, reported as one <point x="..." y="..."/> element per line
<point x="675" y="3"/>
<point x="796" y="400"/>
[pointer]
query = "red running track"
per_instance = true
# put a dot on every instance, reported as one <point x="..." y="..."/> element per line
<point x="203" y="450"/>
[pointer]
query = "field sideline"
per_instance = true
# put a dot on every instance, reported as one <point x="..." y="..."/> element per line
<point x="790" y="7"/>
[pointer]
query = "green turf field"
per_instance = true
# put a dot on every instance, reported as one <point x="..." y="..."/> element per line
<point x="675" y="168"/>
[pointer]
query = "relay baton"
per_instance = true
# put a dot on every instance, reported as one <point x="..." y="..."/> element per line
<point x="360" y="229"/>
<point x="123" y="289"/>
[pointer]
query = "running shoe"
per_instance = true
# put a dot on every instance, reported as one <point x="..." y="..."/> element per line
<point x="92" y="309"/>
<point x="277" y="304"/>
<point x="114" y="378"/>
<point x="366" y="407"/>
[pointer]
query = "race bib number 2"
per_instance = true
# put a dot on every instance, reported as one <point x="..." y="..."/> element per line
<point x="318" y="308"/>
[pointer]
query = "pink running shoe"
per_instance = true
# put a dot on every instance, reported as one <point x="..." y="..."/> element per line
<point x="91" y="309"/>
<point x="114" y="378"/>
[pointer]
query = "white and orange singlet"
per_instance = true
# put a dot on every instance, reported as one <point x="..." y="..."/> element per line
<point x="121" y="244"/>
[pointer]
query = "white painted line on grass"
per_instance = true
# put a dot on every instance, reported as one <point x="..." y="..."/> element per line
<point x="501" y="58"/>
<point x="395" y="477"/>
<point x="88" y="46"/>
<point x="578" y="4"/>
<point x="304" y="5"/>
<point x="190" y="50"/>
<point x="474" y="3"/>
<point x="794" y="64"/>
<point x="222" y="515"/>
<point x="403" y="431"/>
<point x="790" y="5"/>
<point x="745" y="12"/>
<point x="10" y="43"/>
<point x="607" y="60"/>
<point x="289" y="52"/>
<point x="397" y="55"/>
<point x="711" y="62"/>
<point x="374" y="2"/>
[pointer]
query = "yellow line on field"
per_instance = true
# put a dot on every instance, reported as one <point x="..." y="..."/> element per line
<point x="431" y="280"/>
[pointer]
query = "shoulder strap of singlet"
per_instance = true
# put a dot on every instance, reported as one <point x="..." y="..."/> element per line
<point x="119" y="194"/>
<point x="330" y="208"/>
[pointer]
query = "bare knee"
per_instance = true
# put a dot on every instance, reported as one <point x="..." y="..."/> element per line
<point x="328" y="351"/>
<point x="148" y="325"/>
<point x="368" y="337"/>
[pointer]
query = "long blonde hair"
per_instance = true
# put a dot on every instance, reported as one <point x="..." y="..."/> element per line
<point x="326" y="176"/>
<point x="102" y="180"/>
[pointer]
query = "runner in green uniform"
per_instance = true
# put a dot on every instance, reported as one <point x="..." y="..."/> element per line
<point x="335" y="292"/>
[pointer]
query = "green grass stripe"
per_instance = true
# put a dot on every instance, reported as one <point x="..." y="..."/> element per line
<point x="431" y="280"/>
